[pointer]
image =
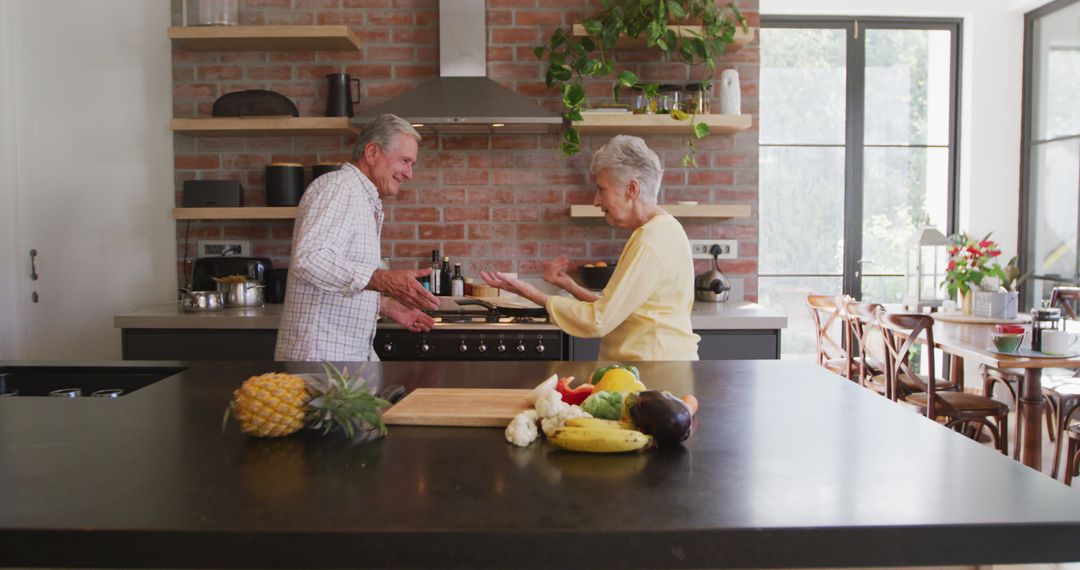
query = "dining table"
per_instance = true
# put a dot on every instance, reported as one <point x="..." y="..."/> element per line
<point x="973" y="341"/>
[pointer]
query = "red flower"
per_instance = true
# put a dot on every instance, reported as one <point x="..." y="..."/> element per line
<point x="994" y="252"/>
<point x="954" y="250"/>
<point x="987" y="243"/>
<point x="974" y="252"/>
<point x="952" y="266"/>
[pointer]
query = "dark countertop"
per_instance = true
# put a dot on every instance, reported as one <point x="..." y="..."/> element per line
<point x="790" y="466"/>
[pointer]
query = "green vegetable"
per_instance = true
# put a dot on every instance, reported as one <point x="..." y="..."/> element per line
<point x="604" y="405"/>
<point x="599" y="372"/>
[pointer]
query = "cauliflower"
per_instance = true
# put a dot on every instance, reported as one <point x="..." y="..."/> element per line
<point x="551" y="423"/>
<point x="604" y="404"/>
<point x="542" y="388"/>
<point x="550" y="404"/>
<point x="522" y="429"/>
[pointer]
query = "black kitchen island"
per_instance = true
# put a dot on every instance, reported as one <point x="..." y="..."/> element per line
<point x="791" y="466"/>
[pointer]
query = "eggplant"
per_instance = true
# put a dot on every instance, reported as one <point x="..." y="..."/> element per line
<point x="661" y="415"/>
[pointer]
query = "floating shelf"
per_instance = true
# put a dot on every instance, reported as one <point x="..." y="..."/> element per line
<point x="629" y="123"/>
<point x="257" y="126"/>
<point x="741" y="38"/>
<point x="264" y="38"/>
<point x="677" y="210"/>
<point x="248" y="213"/>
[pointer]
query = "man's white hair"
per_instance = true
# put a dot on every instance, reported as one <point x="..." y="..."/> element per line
<point x="383" y="131"/>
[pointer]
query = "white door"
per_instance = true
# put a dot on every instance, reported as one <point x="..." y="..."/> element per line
<point x="88" y="178"/>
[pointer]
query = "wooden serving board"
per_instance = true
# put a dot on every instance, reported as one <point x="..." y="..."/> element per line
<point x="462" y="407"/>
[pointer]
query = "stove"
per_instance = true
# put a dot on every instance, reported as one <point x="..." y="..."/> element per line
<point x="466" y="329"/>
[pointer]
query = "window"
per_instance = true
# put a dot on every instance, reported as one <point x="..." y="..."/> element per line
<point x="1050" y="183"/>
<point x="857" y="150"/>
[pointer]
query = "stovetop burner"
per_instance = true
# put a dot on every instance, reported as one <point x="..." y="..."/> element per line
<point x="464" y="310"/>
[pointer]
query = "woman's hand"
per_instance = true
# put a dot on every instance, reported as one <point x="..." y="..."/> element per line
<point x="503" y="281"/>
<point x="555" y="271"/>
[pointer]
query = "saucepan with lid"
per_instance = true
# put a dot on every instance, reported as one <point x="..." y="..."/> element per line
<point x="240" y="292"/>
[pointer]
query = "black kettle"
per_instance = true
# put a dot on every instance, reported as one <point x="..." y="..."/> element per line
<point x="339" y="97"/>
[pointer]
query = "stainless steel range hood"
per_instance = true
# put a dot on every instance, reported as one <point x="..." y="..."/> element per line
<point x="462" y="98"/>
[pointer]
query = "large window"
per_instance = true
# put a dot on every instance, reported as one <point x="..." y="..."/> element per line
<point x="1051" y="148"/>
<point x="858" y="149"/>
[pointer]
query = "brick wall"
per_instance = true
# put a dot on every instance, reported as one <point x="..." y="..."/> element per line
<point x="488" y="201"/>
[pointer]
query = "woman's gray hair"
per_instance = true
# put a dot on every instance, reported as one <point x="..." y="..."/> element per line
<point x="383" y="131"/>
<point x="627" y="158"/>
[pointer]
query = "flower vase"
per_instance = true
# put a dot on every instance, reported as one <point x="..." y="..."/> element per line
<point x="967" y="302"/>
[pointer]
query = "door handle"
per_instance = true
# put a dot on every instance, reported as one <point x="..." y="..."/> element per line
<point x="864" y="261"/>
<point x="33" y="265"/>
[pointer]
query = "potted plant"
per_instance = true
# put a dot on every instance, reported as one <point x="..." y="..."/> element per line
<point x="572" y="59"/>
<point x="969" y="263"/>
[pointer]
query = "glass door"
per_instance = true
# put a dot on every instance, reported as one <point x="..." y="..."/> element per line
<point x="857" y="150"/>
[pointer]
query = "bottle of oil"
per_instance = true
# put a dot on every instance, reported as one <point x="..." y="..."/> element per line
<point x="433" y="279"/>
<point x="457" y="283"/>
<point x="444" y="277"/>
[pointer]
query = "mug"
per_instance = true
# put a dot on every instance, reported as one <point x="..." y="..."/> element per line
<point x="1007" y="342"/>
<point x="1057" y="342"/>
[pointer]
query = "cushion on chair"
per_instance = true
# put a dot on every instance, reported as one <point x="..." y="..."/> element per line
<point x="963" y="402"/>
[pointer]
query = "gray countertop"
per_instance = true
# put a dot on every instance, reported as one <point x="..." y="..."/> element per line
<point x="706" y="316"/>
<point x="788" y="467"/>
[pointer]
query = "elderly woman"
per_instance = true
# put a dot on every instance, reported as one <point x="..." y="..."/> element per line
<point x="644" y="312"/>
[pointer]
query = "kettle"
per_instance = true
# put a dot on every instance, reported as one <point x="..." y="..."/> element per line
<point x="712" y="285"/>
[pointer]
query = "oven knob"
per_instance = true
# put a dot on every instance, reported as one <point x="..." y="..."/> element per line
<point x="540" y="347"/>
<point x="462" y="348"/>
<point x="424" y="347"/>
<point x="388" y="347"/>
<point x="501" y="347"/>
<point x="520" y="347"/>
<point x="481" y="347"/>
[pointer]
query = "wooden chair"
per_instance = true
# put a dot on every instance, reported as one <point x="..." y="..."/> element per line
<point x="1072" y="454"/>
<point x="827" y="313"/>
<point x="960" y="411"/>
<point x="1061" y="387"/>
<point x="865" y="364"/>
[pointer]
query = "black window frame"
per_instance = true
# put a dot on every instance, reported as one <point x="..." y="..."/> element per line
<point x="1026" y="241"/>
<point x="855" y="125"/>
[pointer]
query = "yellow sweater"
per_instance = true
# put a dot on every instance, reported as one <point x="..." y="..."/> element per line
<point x="644" y="312"/>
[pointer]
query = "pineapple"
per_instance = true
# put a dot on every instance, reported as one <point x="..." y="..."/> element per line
<point x="277" y="404"/>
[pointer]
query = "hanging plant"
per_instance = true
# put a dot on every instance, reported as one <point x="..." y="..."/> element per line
<point x="572" y="59"/>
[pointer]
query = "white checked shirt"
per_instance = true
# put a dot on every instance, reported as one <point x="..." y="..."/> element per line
<point x="335" y="249"/>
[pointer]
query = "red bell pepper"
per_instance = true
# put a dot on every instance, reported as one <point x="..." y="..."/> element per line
<point x="573" y="396"/>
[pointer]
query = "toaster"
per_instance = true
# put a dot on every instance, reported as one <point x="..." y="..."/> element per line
<point x="206" y="268"/>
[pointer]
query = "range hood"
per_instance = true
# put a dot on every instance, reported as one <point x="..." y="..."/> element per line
<point x="463" y="98"/>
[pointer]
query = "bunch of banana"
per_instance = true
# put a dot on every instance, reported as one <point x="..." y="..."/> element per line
<point x="599" y="436"/>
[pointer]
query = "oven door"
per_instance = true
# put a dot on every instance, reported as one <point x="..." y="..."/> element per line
<point x="458" y="344"/>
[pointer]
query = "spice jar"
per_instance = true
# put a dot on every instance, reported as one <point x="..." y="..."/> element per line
<point x="697" y="99"/>
<point x="668" y="97"/>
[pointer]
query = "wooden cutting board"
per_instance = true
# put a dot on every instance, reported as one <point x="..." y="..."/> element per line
<point x="462" y="407"/>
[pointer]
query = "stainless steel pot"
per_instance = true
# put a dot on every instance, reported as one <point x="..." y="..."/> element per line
<point x="246" y="294"/>
<point x="200" y="301"/>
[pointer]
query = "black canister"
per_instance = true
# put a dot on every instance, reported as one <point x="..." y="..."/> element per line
<point x="322" y="168"/>
<point x="284" y="183"/>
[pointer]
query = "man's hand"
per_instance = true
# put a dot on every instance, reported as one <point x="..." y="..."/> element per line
<point x="413" y="319"/>
<point x="402" y="285"/>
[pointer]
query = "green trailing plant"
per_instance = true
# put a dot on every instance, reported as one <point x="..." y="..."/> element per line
<point x="573" y="59"/>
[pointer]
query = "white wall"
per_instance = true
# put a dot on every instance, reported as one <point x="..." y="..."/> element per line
<point x="992" y="61"/>
<point x="86" y="155"/>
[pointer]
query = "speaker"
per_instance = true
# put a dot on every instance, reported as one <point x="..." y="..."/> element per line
<point x="212" y="193"/>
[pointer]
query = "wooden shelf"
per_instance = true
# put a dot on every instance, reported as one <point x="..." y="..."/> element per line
<point x="261" y="126"/>
<point x="243" y="213"/>
<point x="629" y="123"/>
<point x="741" y="38"/>
<point x="264" y="38"/>
<point x="677" y="210"/>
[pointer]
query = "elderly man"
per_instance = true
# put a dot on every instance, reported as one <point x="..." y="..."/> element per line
<point x="644" y="312"/>
<point x="333" y="297"/>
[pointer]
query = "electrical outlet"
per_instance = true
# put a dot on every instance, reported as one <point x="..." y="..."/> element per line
<point x="229" y="247"/>
<point x="702" y="248"/>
